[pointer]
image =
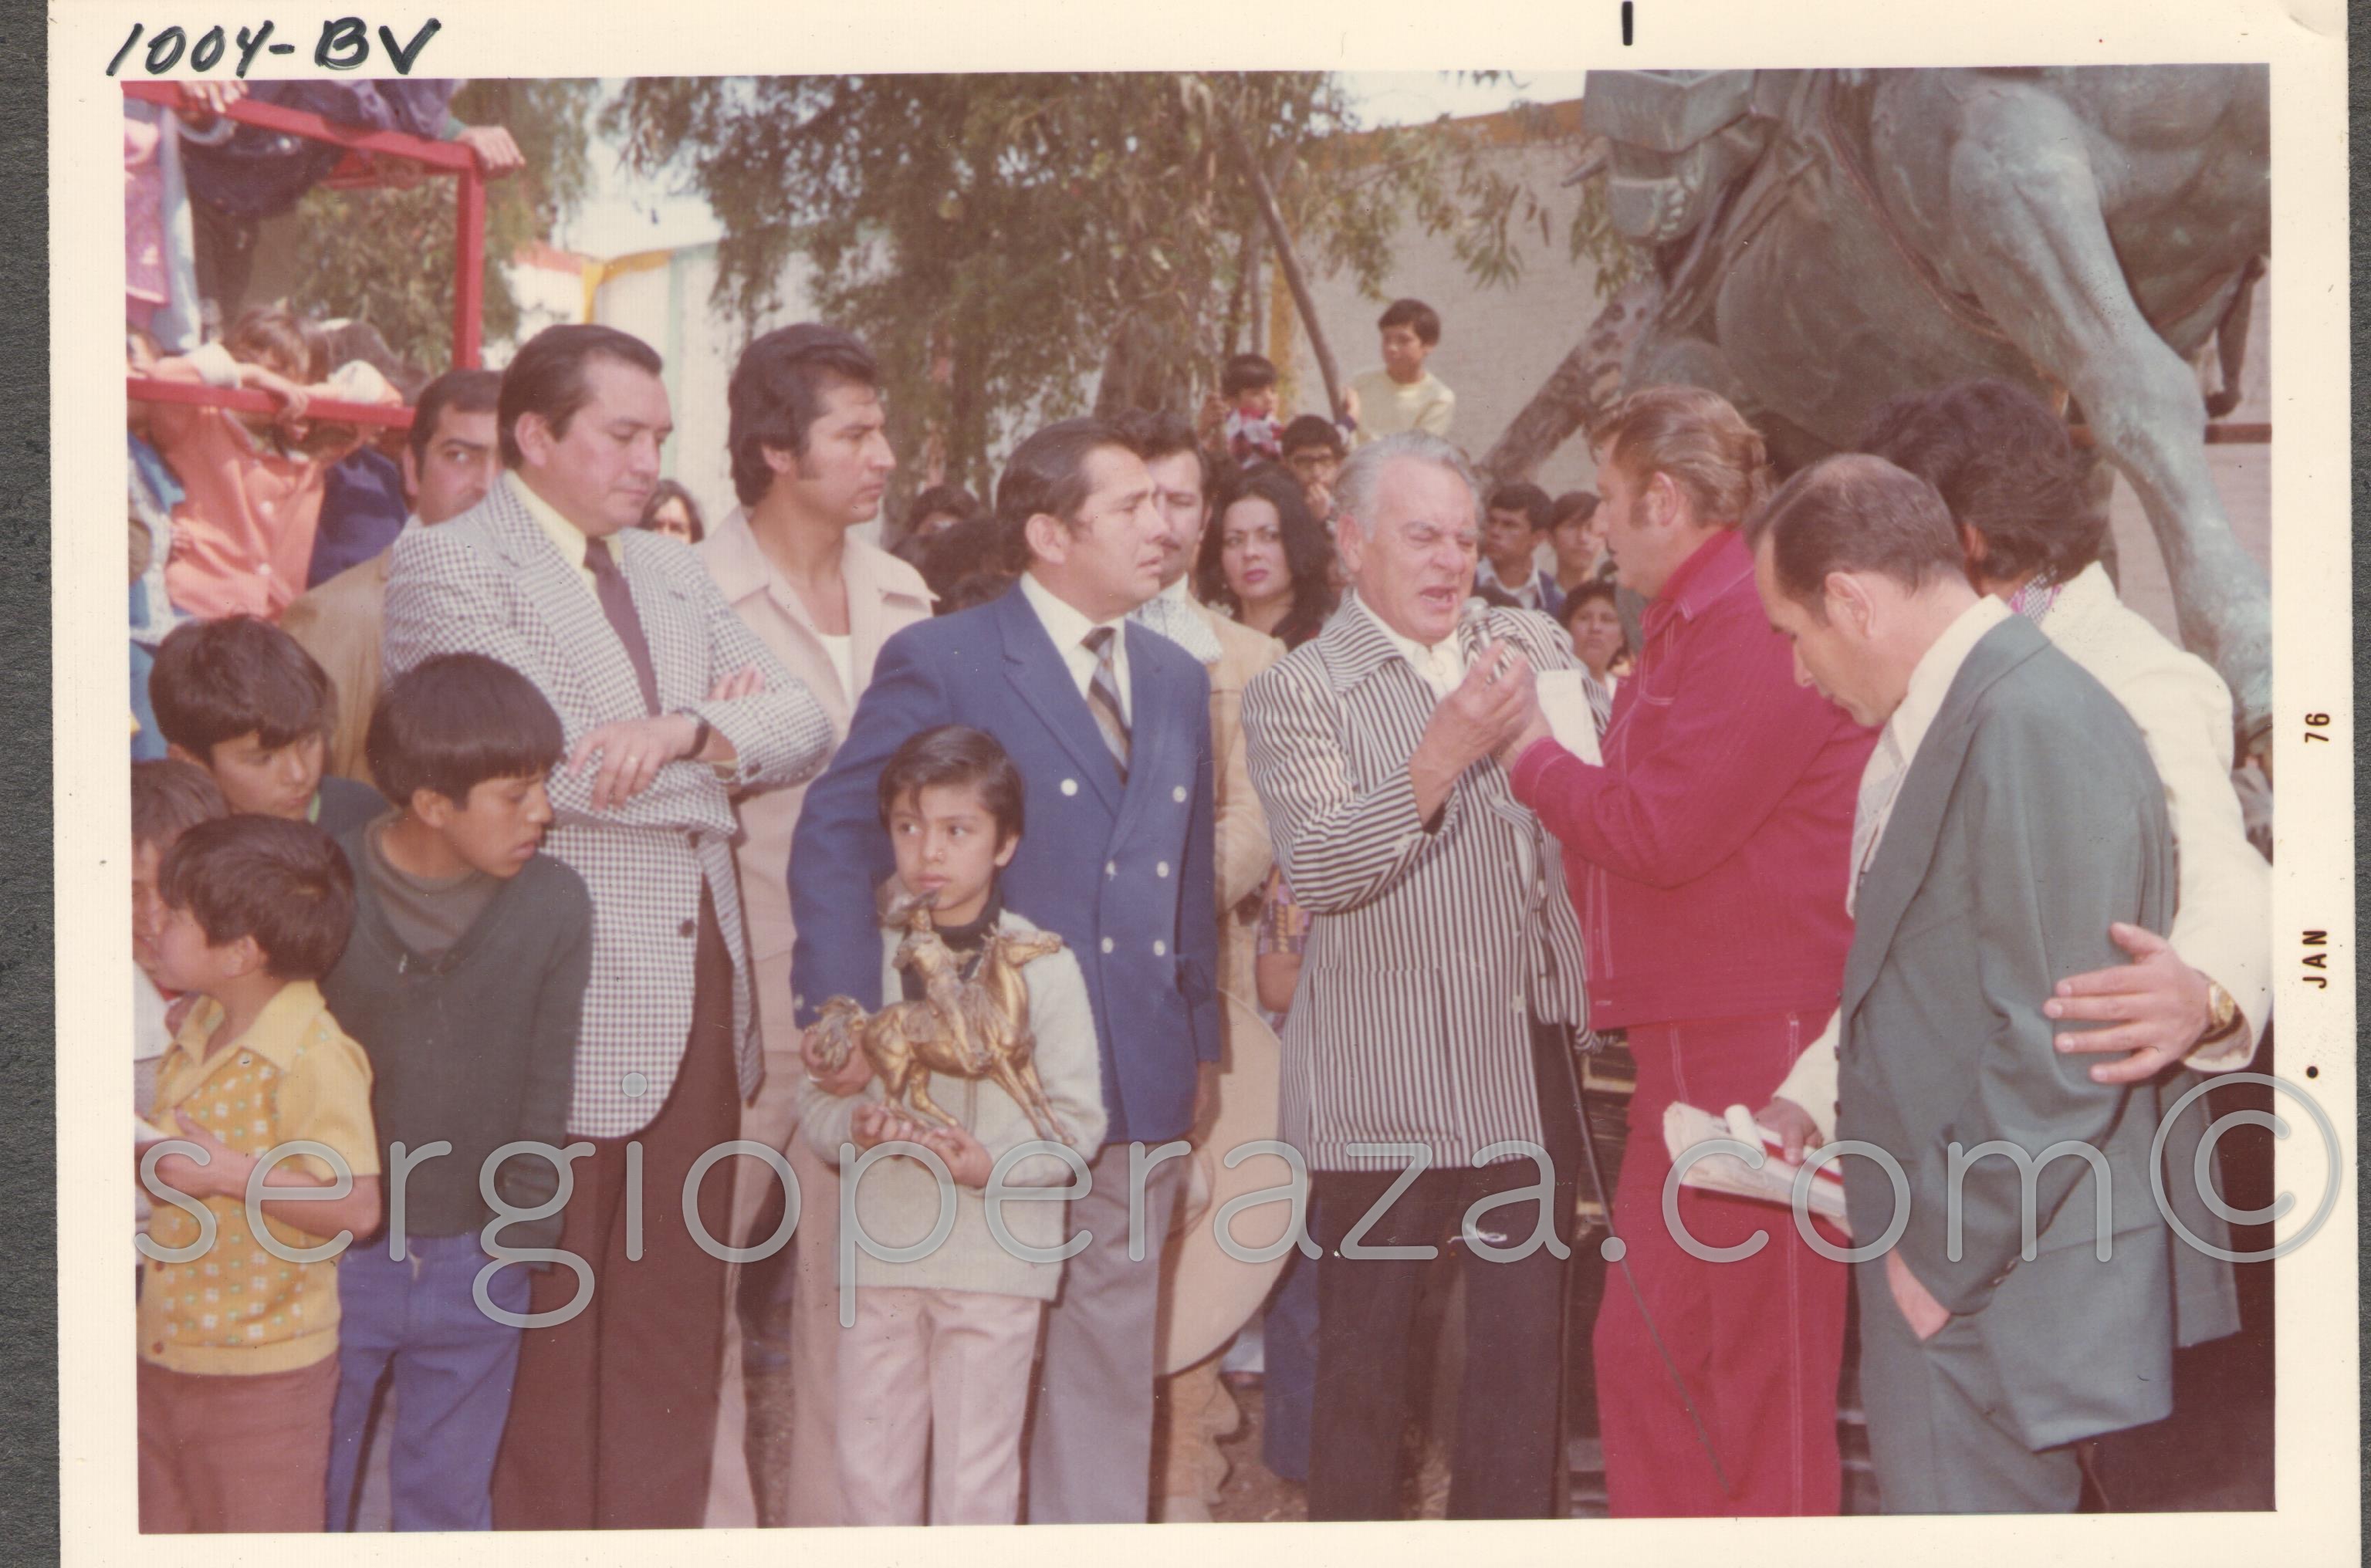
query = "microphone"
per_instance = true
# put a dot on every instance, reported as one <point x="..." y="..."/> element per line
<point x="1474" y="616"/>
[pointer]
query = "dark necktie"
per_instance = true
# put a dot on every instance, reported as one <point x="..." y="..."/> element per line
<point x="1103" y="695"/>
<point x="617" y="604"/>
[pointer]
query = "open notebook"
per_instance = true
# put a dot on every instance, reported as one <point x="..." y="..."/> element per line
<point x="1685" y="1127"/>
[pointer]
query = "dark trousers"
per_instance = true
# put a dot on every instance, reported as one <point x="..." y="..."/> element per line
<point x="1757" y="1343"/>
<point x="613" y="1416"/>
<point x="1289" y="1374"/>
<point x="452" y="1367"/>
<point x="1507" y="1447"/>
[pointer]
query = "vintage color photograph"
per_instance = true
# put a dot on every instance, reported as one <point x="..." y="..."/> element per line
<point x="1162" y="797"/>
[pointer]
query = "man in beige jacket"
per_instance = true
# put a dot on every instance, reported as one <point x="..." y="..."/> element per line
<point x="810" y="462"/>
<point x="1196" y="1409"/>
<point x="448" y="461"/>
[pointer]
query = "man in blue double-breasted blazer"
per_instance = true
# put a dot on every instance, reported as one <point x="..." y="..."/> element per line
<point x="1109" y="724"/>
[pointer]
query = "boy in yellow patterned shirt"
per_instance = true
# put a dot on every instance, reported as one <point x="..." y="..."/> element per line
<point x="238" y="1302"/>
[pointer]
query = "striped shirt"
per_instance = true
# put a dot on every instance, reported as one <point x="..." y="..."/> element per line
<point x="1429" y="949"/>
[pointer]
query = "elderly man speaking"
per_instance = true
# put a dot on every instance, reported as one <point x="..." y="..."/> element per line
<point x="1442" y="980"/>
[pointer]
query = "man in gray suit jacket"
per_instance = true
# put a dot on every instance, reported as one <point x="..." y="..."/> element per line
<point x="2018" y="1292"/>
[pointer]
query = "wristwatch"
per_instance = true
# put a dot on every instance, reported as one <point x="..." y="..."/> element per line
<point x="700" y="734"/>
<point x="2224" y="1018"/>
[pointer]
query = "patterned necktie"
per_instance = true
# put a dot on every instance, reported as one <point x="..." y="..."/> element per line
<point x="1102" y="695"/>
<point x="1880" y="783"/>
<point x="617" y="604"/>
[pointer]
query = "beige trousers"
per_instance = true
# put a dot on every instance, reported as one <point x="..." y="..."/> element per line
<point x="935" y="1382"/>
<point x="809" y="1493"/>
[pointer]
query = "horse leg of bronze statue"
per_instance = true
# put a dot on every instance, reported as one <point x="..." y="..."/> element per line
<point x="1021" y="1081"/>
<point x="893" y="1060"/>
<point x="2048" y="271"/>
<point x="918" y="1095"/>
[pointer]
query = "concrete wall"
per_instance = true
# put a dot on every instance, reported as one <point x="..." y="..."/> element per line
<point x="1496" y="344"/>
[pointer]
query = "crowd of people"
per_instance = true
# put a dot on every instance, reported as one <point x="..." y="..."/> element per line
<point x="601" y="898"/>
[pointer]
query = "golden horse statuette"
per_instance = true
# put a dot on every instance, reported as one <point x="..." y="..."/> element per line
<point x="966" y="1029"/>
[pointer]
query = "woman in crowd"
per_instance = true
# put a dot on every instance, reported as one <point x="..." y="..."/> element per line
<point x="1266" y="563"/>
<point x="1593" y="621"/>
<point x="1594" y="625"/>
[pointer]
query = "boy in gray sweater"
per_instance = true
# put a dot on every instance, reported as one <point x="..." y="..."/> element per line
<point x="464" y="980"/>
<point x="936" y="1362"/>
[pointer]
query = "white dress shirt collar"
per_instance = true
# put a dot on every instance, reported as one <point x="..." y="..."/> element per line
<point x="1177" y="615"/>
<point x="1930" y="680"/>
<point x="1443" y="665"/>
<point x="1069" y="626"/>
<point x="1486" y="572"/>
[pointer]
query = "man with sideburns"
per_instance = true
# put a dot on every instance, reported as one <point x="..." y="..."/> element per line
<point x="811" y="460"/>
<point x="1707" y="855"/>
<point x="1109" y="723"/>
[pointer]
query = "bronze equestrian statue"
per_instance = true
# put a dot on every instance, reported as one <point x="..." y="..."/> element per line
<point x="963" y="1029"/>
<point x="1828" y="239"/>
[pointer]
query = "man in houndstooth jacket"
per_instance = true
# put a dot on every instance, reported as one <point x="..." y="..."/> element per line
<point x="670" y="704"/>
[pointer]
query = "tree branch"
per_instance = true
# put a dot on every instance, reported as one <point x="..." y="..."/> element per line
<point x="1286" y="258"/>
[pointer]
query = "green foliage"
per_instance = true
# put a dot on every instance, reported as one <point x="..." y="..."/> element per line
<point x="1002" y="241"/>
<point x="386" y="254"/>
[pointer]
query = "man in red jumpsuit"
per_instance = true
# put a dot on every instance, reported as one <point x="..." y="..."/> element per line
<point x="1708" y="857"/>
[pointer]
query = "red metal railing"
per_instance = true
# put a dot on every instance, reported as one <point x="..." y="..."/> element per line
<point x="325" y="411"/>
<point x="354" y="168"/>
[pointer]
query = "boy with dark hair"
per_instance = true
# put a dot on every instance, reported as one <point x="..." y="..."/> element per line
<point x="1314" y="449"/>
<point x="965" y="565"/>
<point x="937" y="1359"/>
<point x="239" y="1322"/>
<point x="1098" y="714"/>
<point x="239" y="697"/>
<point x="1248" y="387"/>
<point x="1518" y="515"/>
<point x="465" y="982"/>
<point x="671" y="706"/>
<point x="1401" y="394"/>
<point x="932" y="513"/>
<point x="1577" y="535"/>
